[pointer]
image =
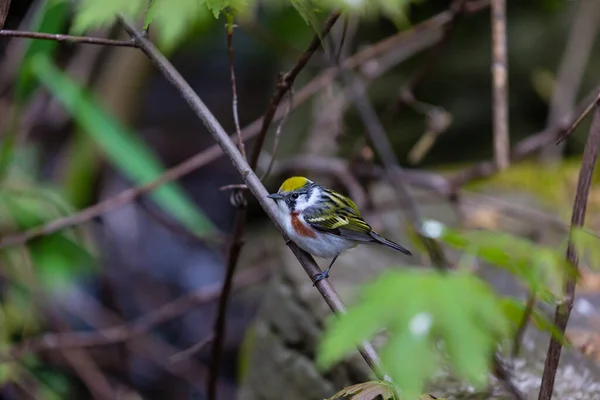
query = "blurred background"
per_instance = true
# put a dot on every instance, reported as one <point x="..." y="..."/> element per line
<point x="82" y="123"/>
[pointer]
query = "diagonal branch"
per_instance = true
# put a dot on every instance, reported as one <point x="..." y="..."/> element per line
<point x="409" y="41"/>
<point x="284" y="85"/>
<point x="252" y="181"/>
<point x="563" y="310"/>
<point x="129" y="330"/>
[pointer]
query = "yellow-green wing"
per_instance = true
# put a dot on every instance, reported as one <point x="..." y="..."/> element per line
<point x="338" y="221"/>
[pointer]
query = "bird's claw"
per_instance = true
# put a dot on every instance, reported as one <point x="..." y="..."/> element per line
<point x="320" y="277"/>
<point x="288" y="242"/>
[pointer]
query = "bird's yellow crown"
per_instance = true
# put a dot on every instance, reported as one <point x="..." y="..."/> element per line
<point x="293" y="183"/>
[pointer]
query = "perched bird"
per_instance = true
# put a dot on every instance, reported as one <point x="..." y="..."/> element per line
<point x="322" y="222"/>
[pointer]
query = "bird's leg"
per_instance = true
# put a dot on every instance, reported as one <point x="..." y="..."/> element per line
<point x="324" y="274"/>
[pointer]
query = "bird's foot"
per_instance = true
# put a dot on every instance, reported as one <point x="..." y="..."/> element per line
<point x="288" y="242"/>
<point x="320" y="277"/>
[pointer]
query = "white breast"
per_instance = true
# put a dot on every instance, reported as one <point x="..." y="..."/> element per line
<point x="323" y="245"/>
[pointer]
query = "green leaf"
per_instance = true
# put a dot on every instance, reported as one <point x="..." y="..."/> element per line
<point x="48" y="18"/>
<point x="514" y="309"/>
<point x="587" y="245"/>
<point x="543" y="269"/>
<point x="421" y="309"/>
<point x="122" y="148"/>
<point x="97" y="13"/>
<point x="51" y="17"/>
<point x="58" y="260"/>
<point x="175" y="19"/>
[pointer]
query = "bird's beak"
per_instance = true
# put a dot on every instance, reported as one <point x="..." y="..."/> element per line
<point x="275" y="196"/>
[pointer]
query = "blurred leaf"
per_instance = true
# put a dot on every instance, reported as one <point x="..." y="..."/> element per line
<point x="421" y="309"/>
<point x="49" y="18"/>
<point x="58" y="260"/>
<point x="308" y="13"/>
<point x="95" y="13"/>
<point x="587" y="245"/>
<point x="543" y="269"/>
<point x="123" y="149"/>
<point x="175" y="19"/>
<point x="514" y="310"/>
<point x="366" y="391"/>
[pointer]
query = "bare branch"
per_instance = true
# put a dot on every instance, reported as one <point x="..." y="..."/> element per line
<point x="130" y="330"/>
<point x="500" y="84"/>
<point x="407" y="40"/>
<point x="278" y="135"/>
<point x="59" y="37"/>
<point x="285" y="85"/>
<point x="563" y="310"/>
<point x="582" y="34"/>
<point x="234" y="100"/>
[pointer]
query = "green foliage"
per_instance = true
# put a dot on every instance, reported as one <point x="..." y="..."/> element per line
<point x="421" y="308"/>
<point x="515" y="311"/>
<point x="123" y="149"/>
<point x="50" y="18"/>
<point x="542" y="269"/>
<point x="176" y="18"/>
<point x="57" y="258"/>
<point x="587" y="245"/>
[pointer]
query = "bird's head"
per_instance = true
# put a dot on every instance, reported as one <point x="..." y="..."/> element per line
<point x="296" y="194"/>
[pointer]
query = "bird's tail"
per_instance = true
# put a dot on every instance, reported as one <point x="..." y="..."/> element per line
<point x="380" y="239"/>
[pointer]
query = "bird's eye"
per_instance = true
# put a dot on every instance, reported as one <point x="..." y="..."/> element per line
<point x="295" y="196"/>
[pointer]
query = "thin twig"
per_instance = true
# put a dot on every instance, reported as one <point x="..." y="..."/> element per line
<point x="59" y="37"/>
<point x="563" y="310"/>
<point x="220" y="328"/>
<point x="530" y="144"/>
<point x="582" y="35"/>
<point x="378" y="137"/>
<point x="518" y="339"/>
<point x="577" y="121"/>
<point x="285" y="84"/>
<point x="190" y="351"/>
<point x="254" y="184"/>
<point x="402" y="39"/>
<point x="129" y="330"/>
<point x="278" y="135"/>
<point x="500" y="84"/>
<point x="234" y="98"/>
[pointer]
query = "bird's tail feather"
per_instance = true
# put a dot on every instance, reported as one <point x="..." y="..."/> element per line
<point x="380" y="239"/>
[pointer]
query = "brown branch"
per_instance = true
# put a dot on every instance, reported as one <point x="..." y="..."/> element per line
<point x="59" y="37"/>
<point x="254" y="184"/>
<point x="563" y="310"/>
<point x="408" y="39"/>
<point x="190" y="351"/>
<point x="529" y="145"/>
<point x="500" y="84"/>
<point x="129" y="330"/>
<point x="577" y="121"/>
<point x="285" y="84"/>
<point x="582" y="34"/>
<point x="234" y="99"/>
<point x="289" y="107"/>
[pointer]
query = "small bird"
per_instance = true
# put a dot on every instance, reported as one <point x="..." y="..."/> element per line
<point x="322" y="222"/>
